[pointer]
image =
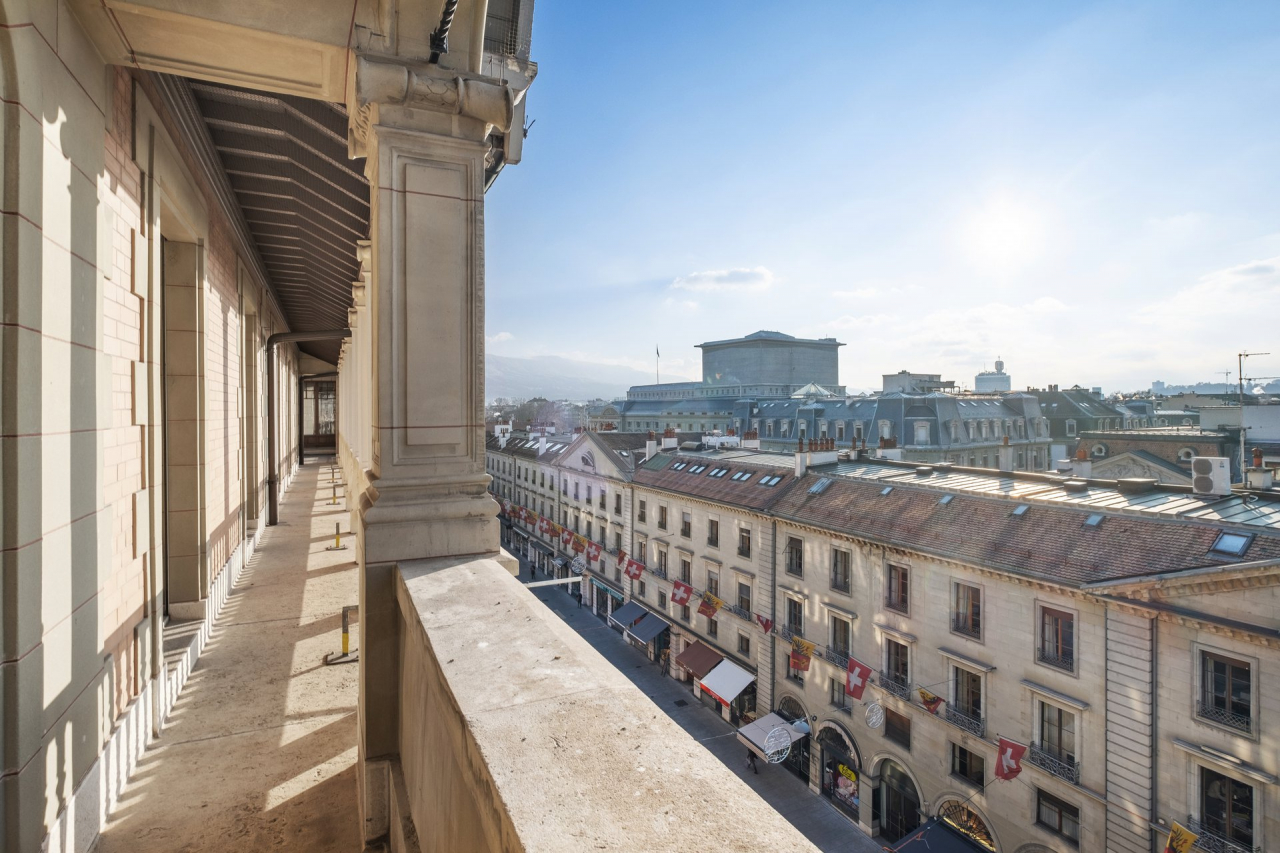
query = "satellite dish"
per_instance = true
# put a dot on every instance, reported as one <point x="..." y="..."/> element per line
<point x="875" y="715"/>
<point x="776" y="745"/>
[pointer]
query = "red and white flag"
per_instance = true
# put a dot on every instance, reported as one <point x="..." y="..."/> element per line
<point x="544" y="525"/>
<point x="680" y="592"/>
<point x="593" y="550"/>
<point x="856" y="679"/>
<point x="634" y="569"/>
<point x="766" y="624"/>
<point x="566" y="536"/>
<point x="1009" y="758"/>
<point x="622" y="560"/>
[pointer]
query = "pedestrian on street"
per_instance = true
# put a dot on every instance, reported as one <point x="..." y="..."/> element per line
<point x="751" y="762"/>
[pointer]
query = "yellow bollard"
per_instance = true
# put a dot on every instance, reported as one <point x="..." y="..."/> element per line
<point x="337" y="538"/>
<point x="346" y="656"/>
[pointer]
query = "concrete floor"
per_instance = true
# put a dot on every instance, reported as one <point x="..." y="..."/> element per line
<point x="813" y="815"/>
<point x="260" y="751"/>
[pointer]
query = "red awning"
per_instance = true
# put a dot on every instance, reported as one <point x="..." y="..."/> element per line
<point x="699" y="659"/>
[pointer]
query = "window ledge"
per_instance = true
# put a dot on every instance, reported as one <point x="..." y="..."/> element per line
<point x="1225" y="761"/>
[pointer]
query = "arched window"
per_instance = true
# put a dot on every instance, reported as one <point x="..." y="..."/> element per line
<point x="968" y="823"/>
<point x="1186" y="454"/>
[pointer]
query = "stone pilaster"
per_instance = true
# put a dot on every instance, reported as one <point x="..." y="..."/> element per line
<point x="425" y="134"/>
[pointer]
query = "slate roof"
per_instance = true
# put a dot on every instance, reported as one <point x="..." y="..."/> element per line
<point x="1047" y="542"/>
<point x="659" y="473"/>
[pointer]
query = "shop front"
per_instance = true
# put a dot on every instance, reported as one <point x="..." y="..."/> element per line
<point x="625" y="616"/>
<point x="755" y="735"/>
<point x="841" y="769"/>
<point x="733" y="689"/>
<point x="605" y="599"/>
<point x="520" y="543"/>
<point x="898" y="806"/>
<point x="542" y="557"/>
<point x="651" y="635"/>
<point x="798" y="759"/>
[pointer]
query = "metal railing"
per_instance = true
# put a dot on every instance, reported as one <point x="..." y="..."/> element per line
<point x="840" y="586"/>
<point x="973" y="725"/>
<point x="658" y="571"/>
<point x="789" y="634"/>
<point x="1214" y="842"/>
<point x="899" y="688"/>
<point x="1065" y="661"/>
<point x="965" y="625"/>
<point x="1061" y="767"/>
<point x="737" y="611"/>
<point x="1223" y="717"/>
<point x="894" y="603"/>
<point x="834" y="656"/>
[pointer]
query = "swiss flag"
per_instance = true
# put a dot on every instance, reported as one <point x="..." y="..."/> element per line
<point x="634" y="569"/>
<point x="622" y="560"/>
<point x="566" y="536"/>
<point x="593" y="550"/>
<point x="544" y="525"/>
<point x="1009" y="759"/>
<point x="680" y="593"/>
<point x="856" y="679"/>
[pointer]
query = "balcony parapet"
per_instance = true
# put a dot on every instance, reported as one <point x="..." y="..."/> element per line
<point x="515" y="733"/>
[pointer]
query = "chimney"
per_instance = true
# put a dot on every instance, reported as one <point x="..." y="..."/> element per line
<point x="651" y="446"/>
<point x="1258" y="477"/>
<point x="1005" y="455"/>
<point x="542" y="444"/>
<point x="669" y="440"/>
<point x="751" y="440"/>
<point x="1082" y="467"/>
<point x="802" y="460"/>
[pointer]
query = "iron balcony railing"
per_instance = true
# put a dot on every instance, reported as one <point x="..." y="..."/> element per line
<point x="1221" y="716"/>
<point x="840" y="584"/>
<point x="834" y="656"/>
<point x="1214" y="842"/>
<point x="1063" y="768"/>
<point x="894" y="603"/>
<point x="973" y="725"/>
<point x="966" y="625"/>
<point x="789" y="634"/>
<point x="844" y="708"/>
<point x="658" y="571"/>
<point x="1062" y="660"/>
<point x="740" y="612"/>
<point x="898" y="687"/>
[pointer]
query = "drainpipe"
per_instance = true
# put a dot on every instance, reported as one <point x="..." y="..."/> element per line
<point x="773" y="614"/>
<point x="273" y="481"/>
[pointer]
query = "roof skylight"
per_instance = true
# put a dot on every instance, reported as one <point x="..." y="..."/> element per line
<point x="1232" y="544"/>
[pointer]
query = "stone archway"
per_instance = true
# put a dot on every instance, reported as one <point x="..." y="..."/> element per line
<point x="839" y="767"/>
<point x="798" y="760"/>
<point x="900" y="801"/>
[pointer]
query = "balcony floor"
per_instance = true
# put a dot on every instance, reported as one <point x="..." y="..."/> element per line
<point x="260" y="750"/>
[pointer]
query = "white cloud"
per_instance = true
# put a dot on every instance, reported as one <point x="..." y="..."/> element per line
<point x="501" y="337"/>
<point x="680" y="304"/>
<point x="751" y="280"/>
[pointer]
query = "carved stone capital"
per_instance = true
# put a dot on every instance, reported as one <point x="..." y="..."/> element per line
<point x="385" y="80"/>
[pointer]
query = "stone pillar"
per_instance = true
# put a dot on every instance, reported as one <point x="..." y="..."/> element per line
<point x="867" y="785"/>
<point x="424" y="131"/>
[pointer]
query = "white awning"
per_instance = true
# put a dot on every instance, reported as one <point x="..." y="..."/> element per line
<point x="753" y="734"/>
<point x="726" y="681"/>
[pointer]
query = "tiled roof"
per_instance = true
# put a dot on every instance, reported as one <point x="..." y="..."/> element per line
<point x="660" y="473"/>
<point x="1047" y="541"/>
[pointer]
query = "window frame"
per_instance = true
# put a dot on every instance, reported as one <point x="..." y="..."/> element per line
<point x="1042" y="609"/>
<point x="967" y="777"/>
<point x="897" y="595"/>
<point x="794" y="557"/>
<point x="744" y="542"/>
<point x="897" y="732"/>
<point x="1199" y="651"/>
<point x="1060" y="804"/>
<point x="836" y="554"/>
<point x="962" y="621"/>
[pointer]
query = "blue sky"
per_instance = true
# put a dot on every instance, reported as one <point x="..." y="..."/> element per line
<point x="1091" y="190"/>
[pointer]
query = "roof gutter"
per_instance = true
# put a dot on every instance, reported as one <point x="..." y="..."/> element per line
<point x="273" y="481"/>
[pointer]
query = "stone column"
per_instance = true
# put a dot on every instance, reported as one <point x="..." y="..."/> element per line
<point x="867" y="785"/>
<point x="424" y="131"/>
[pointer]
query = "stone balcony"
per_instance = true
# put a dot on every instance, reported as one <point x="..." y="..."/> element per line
<point x="516" y="735"/>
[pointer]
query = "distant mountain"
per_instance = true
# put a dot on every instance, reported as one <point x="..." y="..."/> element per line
<point x="557" y="378"/>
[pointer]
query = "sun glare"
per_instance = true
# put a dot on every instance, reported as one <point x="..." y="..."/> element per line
<point x="1004" y="234"/>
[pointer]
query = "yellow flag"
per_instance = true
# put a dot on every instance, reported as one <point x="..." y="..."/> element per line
<point x="1180" y="839"/>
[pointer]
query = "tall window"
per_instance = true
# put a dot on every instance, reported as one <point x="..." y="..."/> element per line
<point x="1226" y="807"/>
<point x="967" y="618"/>
<point x="686" y="569"/>
<point x="1057" y="638"/>
<point x="968" y="765"/>
<point x="640" y="512"/>
<point x="617" y="503"/>
<point x="686" y="524"/>
<point x="795" y="616"/>
<point x="841" y="632"/>
<point x="795" y="557"/>
<point x="617" y="540"/>
<point x="968" y="686"/>
<point x="685" y="613"/>
<point x="897" y="728"/>
<point x="836" y="691"/>
<point x="1058" y="732"/>
<point x="713" y="583"/>
<point x="840" y="574"/>
<point x="1057" y="816"/>
<point x="713" y="533"/>
<point x="1225" y="691"/>
<point x="713" y="628"/>
<point x="744" y="596"/>
<point x="662" y="518"/>
<point x="744" y="644"/>
<point x="898" y="596"/>
<point x="897" y="662"/>
<point x="662" y="561"/>
<point x="744" y="542"/>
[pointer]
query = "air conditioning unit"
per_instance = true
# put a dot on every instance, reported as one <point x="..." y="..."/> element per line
<point x="1211" y="475"/>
